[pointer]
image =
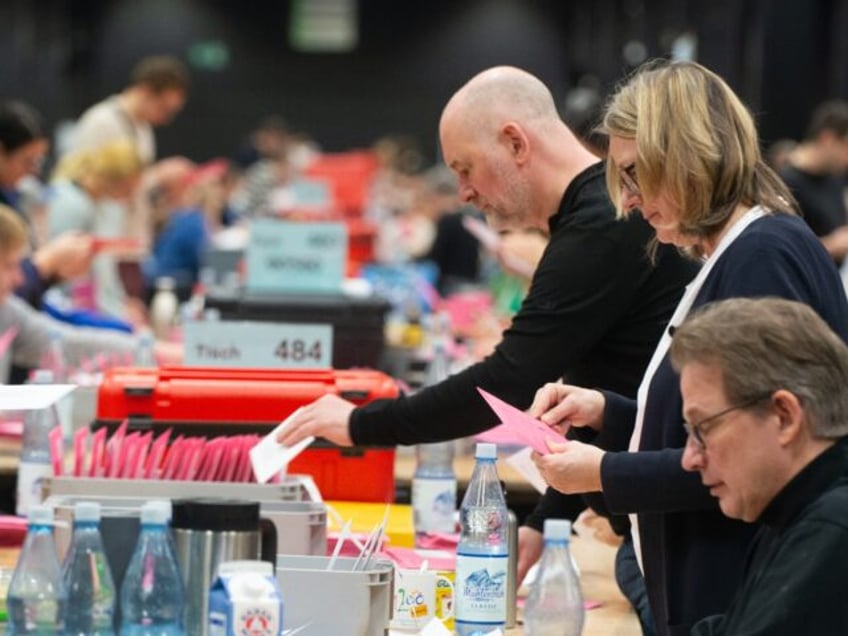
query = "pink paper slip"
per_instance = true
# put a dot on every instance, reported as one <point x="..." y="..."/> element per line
<point x="115" y="244"/>
<point x="517" y="425"/>
<point x="80" y="438"/>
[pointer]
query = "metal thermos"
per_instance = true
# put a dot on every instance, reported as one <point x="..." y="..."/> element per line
<point x="512" y="571"/>
<point x="208" y="532"/>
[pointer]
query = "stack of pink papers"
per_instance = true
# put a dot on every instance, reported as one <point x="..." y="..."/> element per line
<point x="142" y="456"/>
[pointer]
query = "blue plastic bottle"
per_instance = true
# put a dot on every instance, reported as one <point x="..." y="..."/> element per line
<point x="88" y="579"/>
<point x="152" y="592"/>
<point x="483" y="553"/>
<point x="37" y="596"/>
<point x="35" y="464"/>
<point x="555" y="604"/>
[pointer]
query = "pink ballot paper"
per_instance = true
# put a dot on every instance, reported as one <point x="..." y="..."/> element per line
<point x="518" y="426"/>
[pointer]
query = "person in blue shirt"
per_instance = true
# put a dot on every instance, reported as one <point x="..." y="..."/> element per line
<point x="187" y="231"/>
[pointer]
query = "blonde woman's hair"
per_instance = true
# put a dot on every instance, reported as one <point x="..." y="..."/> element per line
<point x="13" y="232"/>
<point x="113" y="161"/>
<point x="696" y="141"/>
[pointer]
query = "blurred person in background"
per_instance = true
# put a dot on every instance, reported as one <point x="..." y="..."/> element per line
<point x="32" y="327"/>
<point x="596" y="307"/>
<point x="23" y="146"/>
<point x="189" y="228"/>
<point x="764" y="401"/>
<point x="157" y="91"/>
<point x="816" y="174"/>
<point x="454" y="249"/>
<point x="85" y="195"/>
<point x="266" y="167"/>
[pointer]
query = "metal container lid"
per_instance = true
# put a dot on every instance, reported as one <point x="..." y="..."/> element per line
<point x="216" y="515"/>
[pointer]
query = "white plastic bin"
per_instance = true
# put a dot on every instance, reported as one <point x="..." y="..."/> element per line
<point x="340" y="601"/>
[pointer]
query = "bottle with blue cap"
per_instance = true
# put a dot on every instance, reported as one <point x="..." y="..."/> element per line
<point x="37" y="595"/>
<point x="555" y="603"/>
<point x="88" y="578"/>
<point x="152" y="593"/>
<point x="483" y="552"/>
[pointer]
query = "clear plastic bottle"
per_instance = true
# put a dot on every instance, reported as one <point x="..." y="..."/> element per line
<point x="152" y="593"/>
<point x="37" y="595"/>
<point x="434" y="480"/>
<point x="53" y="358"/>
<point x="433" y="490"/>
<point x="164" y="307"/>
<point x="35" y="464"/>
<point x="555" y="604"/>
<point x="483" y="551"/>
<point x="87" y="577"/>
<point x="145" y="355"/>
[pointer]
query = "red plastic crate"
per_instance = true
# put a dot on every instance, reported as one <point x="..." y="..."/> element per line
<point x="349" y="474"/>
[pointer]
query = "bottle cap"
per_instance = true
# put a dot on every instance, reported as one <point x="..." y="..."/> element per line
<point x="86" y="511"/>
<point x="157" y="511"/>
<point x="40" y="516"/>
<point x="486" y="451"/>
<point x="557" y="529"/>
<point x="42" y="376"/>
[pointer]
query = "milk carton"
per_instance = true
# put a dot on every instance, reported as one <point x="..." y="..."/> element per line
<point x="245" y="599"/>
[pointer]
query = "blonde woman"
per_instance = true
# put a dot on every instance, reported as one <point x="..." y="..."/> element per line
<point x="88" y="194"/>
<point x="684" y="154"/>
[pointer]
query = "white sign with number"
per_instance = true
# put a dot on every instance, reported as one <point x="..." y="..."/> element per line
<point x="258" y="345"/>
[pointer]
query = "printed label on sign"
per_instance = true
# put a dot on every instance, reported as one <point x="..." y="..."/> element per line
<point x="296" y="257"/>
<point x="258" y="345"/>
<point x="481" y="588"/>
<point x="433" y="504"/>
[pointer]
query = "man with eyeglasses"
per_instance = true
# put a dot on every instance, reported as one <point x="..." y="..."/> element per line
<point x="765" y="405"/>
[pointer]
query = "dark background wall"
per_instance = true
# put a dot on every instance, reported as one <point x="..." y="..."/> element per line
<point x="782" y="56"/>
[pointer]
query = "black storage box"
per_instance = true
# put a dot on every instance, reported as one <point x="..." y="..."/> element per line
<point x="357" y="322"/>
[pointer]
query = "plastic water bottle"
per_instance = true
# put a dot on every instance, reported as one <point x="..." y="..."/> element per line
<point x="434" y="480"/>
<point x="144" y="353"/>
<point x="35" y="464"/>
<point x="433" y="490"/>
<point x="152" y="592"/>
<point x="163" y="307"/>
<point x="555" y="604"/>
<point x="483" y="552"/>
<point x="37" y="596"/>
<point x="87" y="577"/>
<point x="53" y="358"/>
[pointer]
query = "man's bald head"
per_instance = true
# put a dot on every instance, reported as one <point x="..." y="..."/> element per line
<point x="499" y="94"/>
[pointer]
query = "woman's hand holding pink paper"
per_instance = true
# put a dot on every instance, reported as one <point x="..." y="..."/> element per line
<point x="571" y="467"/>
<point x="561" y="406"/>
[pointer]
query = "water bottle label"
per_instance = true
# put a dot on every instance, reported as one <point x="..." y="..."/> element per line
<point x="30" y="477"/>
<point x="433" y="504"/>
<point x="481" y="588"/>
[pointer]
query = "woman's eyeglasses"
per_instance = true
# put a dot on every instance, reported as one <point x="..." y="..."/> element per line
<point x="627" y="177"/>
